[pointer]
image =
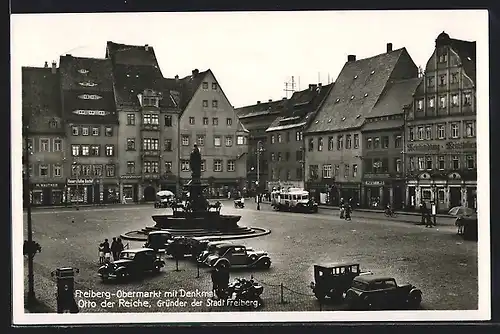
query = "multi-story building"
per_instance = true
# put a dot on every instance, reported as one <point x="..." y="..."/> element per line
<point x="382" y="145"/>
<point x="441" y="148"/>
<point x="256" y="119"/>
<point x="209" y="120"/>
<point x="333" y="139"/>
<point x="148" y="109"/>
<point x="285" y="137"/>
<point x="91" y="120"/>
<point x="43" y="124"/>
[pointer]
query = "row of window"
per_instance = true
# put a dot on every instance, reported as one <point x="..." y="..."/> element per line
<point x="92" y="150"/>
<point x="95" y="130"/>
<point x="215" y="121"/>
<point x="440" y="162"/>
<point x="351" y="141"/>
<point x="443" y="101"/>
<point x="278" y="138"/>
<point x="46" y="170"/>
<point x="381" y="165"/>
<point x="204" y="85"/>
<point x="216" y="167"/>
<point x="44" y="145"/>
<point x="278" y="156"/>
<point x="329" y="171"/>
<point x="426" y="132"/>
<point x="383" y="142"/>
<point x="200" y="140"/>
<point x="154" y="166"/>
<point x="276" y="174"/>
<point x="79" y="170"/>
<point x="215" y="104"/>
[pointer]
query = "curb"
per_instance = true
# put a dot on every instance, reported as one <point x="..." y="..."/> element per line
<point x="260" y="232"/>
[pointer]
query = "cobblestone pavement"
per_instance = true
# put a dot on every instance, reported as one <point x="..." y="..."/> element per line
<point x="434" y="259"/>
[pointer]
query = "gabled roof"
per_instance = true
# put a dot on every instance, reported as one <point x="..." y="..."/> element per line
<point x="140" y="55"/>
<point x="358" y="88"/>
<point x="189" y="86"/>
<point x="131" y="80"/>
<point x="41" y="98"/>
<point x="395" y="96"/>
<point x="77" y="71"/>
<point x="261" y="109"/>
<point x="300" y="108"/>
<point x="466" y="51"/>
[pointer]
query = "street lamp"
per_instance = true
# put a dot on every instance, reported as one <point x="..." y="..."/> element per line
<point x="74" y="168"/>
<point x="30" y="247"/>
<point x="260" y="149"/>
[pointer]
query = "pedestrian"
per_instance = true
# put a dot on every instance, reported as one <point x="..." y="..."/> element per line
<point x="433" y="213"/>
<point x="342" y="208"/>
<point x="107" y="250"/>
<point x="422" y="213"/>
<point x="427" y="216"/>
<point x="223" y="283"/>
<point x="114" y="249"/>
<point x="215" y="281"/>
<point x="101" y="253"/>
<point x="348" y="210"/>
<point x="228" y="195"/>
<point x="120" y="246"/>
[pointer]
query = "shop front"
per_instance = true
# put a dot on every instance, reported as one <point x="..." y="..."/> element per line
<point x="129" y="185"/>
<point x="349" y="191"/>
<point x="223" y="188"/>
<point x="323" y="191"/>
<point x="48" y="194"/>
<point x="110" y="192"/>
<point x="80" y="191"/>
<point x="376" y="193"/>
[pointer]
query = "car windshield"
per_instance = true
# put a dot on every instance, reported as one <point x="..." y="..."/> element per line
<point x="127" y="255"/>
<point x="359" y="285"/>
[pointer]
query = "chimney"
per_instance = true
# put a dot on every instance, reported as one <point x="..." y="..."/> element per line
<point x="312" y="87"/>
<point x="320" y="85"/>
<point x="389" y="47"/>
<point x="46" y="64"/>
<point x="270" y="100"/>
<point x="195" y="72"/>
<point x="258" y="102"/>
<point x="284" y="99"/>
<point x="54" y="67"/>
<point x="176" y="77"/>
<point x="351" y="58"/>
<point x="68" y="54"/>
<point x="146" y="47"/>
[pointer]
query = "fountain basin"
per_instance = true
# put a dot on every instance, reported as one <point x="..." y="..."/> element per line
<point x="204" y="220"/>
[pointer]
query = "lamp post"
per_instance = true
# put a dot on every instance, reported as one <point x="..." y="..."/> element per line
<point x="31" y="250"/>
<point x="259" y="151"/>
<point x="77" y="174"/>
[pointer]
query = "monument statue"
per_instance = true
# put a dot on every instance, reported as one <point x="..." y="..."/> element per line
<point x="195" y="163"/>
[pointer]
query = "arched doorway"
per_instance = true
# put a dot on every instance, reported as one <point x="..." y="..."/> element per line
<point x="149" y="194"/>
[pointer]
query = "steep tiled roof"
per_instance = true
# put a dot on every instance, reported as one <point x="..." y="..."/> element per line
<point x="261" y="109"/>
<point x="131" y="54"/>
<point x="87" y="76"/>
<point x="467" y="52"/>
<point x="396" y="95"/>
<point x="383" y="125"/>
<point x="190" y="85"/>
<point x="357" y="90"/>
<point x="41" y="99"/>
<point x="300" y="107"/>
<point x="77" y="71"/>
<point x="131" y="80"/>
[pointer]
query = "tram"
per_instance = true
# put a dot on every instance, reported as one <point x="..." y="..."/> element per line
<point x="293" y="200"/>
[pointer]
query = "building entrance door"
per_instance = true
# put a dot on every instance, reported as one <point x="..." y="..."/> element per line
<point x="149" y="194"/>
<point x="455" y="197"/>
<point x="472" y="198"/>
<point x="397" y="197"/>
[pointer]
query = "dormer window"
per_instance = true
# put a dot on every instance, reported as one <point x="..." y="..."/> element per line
<point x="87" y="84"/>
<point x="352" y="97"/>
<point x="337" y="100"/>
<point x="316" y="122"/>
<point x="53" y="124"/>
<point x="128" y="75"/>
<point x="343" y="119"/>
<point x="372" y="72"/>
<point x="469" y="58"/>
<point x="355" y="77"/>
<point x="358" y="116"/>
<point x="83" y="71"/>
<point x="330" y="120"/>
<point x="150" y="101"/>
<point x="366" y="94"/>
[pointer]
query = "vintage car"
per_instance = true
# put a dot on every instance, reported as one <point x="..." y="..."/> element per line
<point x="132" y="262"/>
<point x="294" y="199"/>
<point x="235" y="255"/>
<point x="159" y="240"/>
<point x="373" y="292"/>
<point x="334" y="279"/>
<point x="210" y="248"/>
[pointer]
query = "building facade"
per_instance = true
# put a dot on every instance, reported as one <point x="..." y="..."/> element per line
<point x="383" y="133"/>
<point x="91" y="125"/>
<point x="334" y="154"/>
<point x="46" y="138"/>
<point x="148" y="109"/>
<point x="210" y="121"/>
<point x="440" y="152"/>
<point x="285" y="138"/>
<point x="256" y="119"/>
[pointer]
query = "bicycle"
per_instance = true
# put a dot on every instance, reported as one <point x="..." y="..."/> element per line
<point x="390" y="213"/>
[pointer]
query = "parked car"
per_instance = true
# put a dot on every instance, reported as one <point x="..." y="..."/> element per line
<point x="332" y="280"/>
<point x="132" y="262"/>
<point x="235" y="255"/>
<point x="159" y="240"/>
<point x="211" y="248"/>
<point x="381" y="292"/>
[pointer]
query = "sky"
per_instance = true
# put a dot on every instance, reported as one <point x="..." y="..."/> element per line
<point x="252" y="54"/>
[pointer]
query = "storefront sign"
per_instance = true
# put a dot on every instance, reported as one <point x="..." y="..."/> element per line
<point x="460" y="145"/>
<point x="80" y="181"/>
<point x="374" y="183"/>
<point x="130" y="177"/>
<point x="48" y="185"/>
<point x="423" y="147"/>
<point x="151" y="176"/>
<point x="376" y="176"/>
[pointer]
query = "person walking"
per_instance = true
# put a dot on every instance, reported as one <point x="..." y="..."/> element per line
<point x="348" y="209"/>
<point x="342" y="208"/>
<point x="427" y="215"/>
<point x="114" y="249"/>
<point x="101" y="253"/>
<point x="107" y="250"/>
<point x="120" y="246"/>
<point x="422" y="213"/>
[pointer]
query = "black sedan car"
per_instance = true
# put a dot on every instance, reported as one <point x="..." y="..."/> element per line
<point x="132" y="262"/>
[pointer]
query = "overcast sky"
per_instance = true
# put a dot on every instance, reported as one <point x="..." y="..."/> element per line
<point x="252" y="54"/>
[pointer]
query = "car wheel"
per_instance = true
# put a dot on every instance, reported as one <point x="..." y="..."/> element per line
<point x="320" y="296"/>
<point x="222" y="264"/>
<point x="414" y="298"/>
<point x="266" y="264"/>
